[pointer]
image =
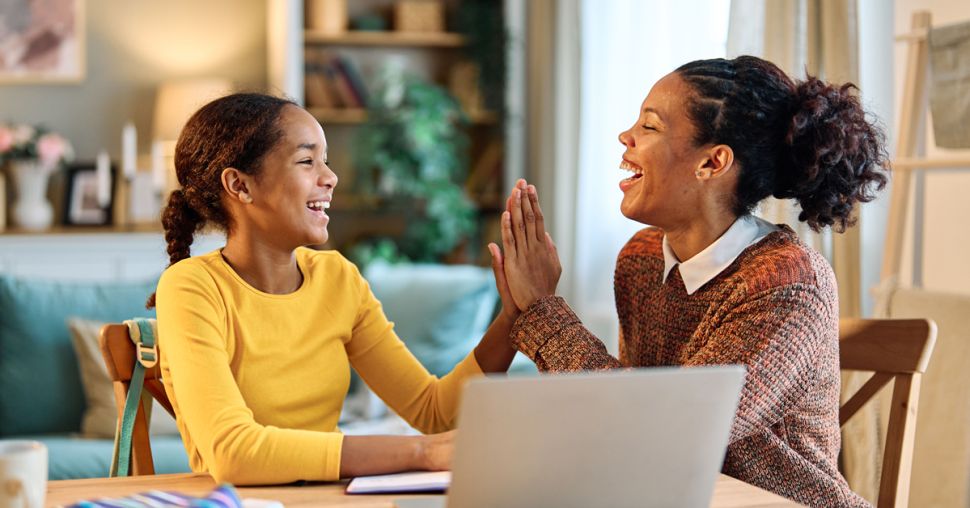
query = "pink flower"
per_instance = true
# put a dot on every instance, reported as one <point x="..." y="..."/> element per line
<point x="51" y="148"/>
<point x="6" y="139"/>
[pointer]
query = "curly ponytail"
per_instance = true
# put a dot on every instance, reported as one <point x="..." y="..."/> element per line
<point x="235" y="131"/>
<point x="180" y="223"/>
<point x="809" y="141"/>
<point x="836" y="155"/>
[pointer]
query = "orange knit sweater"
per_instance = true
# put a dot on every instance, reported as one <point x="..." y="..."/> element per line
<point x="774" y="309"/>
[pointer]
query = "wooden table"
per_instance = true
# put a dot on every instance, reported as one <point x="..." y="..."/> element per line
<point x="728" y="492"/>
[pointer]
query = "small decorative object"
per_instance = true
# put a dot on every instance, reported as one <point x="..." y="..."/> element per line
<point x="463" y="83"/>
<point x="145" y="202"/>
<point x="42" y="42"/>
<point x="83" y="203"/>
<point x="327" y="16"/>
<point x="32" y="154"/>
<point x="419" y="16"/>
<point x="369" y="23"/>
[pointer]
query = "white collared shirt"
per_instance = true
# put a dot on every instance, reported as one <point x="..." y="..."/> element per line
<point x="700" y="269"/>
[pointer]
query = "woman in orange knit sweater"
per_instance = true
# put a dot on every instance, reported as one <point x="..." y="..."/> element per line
<point x="711" y="284"/>
<point x="257" y="338"/>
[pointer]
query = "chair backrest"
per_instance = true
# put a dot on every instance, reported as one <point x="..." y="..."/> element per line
<point x="119" y="356"/>
<point x="893" y="349"/>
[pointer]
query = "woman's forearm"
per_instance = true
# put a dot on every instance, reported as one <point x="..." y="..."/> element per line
<point x="494" y="353"/>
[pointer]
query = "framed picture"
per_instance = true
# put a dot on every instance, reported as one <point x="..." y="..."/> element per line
<point x="41" y="41"/>
<point x="81" y="207"/>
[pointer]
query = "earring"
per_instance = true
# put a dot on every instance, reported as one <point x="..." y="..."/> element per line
<point x="700" y="173"/>
<point x="246" y="198"/>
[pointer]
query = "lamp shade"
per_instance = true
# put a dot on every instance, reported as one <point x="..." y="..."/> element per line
<point x="177" y="100"/>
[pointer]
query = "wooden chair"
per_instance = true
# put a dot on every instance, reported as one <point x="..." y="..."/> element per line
<point x="894" y="349"/>
<point x="119" y="356"/>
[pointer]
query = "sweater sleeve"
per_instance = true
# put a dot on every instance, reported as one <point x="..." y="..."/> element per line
<point x="777" y="335"/>
<point x="383" y="361"/>
<point x="192" y="320"/>
<point x="551" y="334"/>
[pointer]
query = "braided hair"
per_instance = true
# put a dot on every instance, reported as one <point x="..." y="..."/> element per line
<point x="235" y="131"/>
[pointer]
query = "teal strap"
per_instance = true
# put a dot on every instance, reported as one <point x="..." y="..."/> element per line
<point x="145" y="354"/>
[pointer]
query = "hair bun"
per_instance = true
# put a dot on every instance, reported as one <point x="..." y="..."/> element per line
<point x="835" y="155"/>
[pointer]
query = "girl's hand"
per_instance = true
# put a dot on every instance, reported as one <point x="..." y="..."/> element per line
<point x="531" y="262"/>
<point x="509" y="310"/>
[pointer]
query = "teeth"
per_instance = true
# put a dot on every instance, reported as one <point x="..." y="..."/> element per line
<point x="630" y="167"/>
<point x="318" y="205"/>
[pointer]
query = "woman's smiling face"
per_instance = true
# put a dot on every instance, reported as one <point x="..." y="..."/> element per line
<point x="660" y="151"/>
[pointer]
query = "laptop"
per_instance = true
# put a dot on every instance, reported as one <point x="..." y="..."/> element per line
<point x="643" y="438"/>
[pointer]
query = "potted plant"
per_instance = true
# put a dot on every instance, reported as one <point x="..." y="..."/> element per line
<point x="413" y="153"/>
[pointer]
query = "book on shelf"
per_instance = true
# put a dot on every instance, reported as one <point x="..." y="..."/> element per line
<point x="315" y="89"/>
<point x="333" y="81"/>
<point x="342" y="86"/>
<point x="318" y="81"/>
<point x="348" y="72"/>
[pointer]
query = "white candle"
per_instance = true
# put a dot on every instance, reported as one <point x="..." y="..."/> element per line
<point x="103" y="173"/>
<point x="158" y="166"/>
<point x="129" y="150"/>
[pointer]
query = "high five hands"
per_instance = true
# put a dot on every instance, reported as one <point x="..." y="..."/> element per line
<point x="529" y="269"/>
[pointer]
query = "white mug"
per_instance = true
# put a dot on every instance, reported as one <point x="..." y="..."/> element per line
<point x="23" y="474"/>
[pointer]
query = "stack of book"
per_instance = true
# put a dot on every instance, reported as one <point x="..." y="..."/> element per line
<point x="332" y="81"/>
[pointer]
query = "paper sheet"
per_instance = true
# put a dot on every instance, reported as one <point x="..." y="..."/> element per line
<point x="401" y="482"/>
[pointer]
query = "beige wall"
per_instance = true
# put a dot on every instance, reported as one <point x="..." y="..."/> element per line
<point x="131" y="47"/>
<point x="946" y="233"/>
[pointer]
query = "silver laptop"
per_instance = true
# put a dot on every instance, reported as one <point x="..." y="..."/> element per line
<point x="645" y="438"/>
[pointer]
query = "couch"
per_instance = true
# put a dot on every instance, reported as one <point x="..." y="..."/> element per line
<point x="440" y="311"/>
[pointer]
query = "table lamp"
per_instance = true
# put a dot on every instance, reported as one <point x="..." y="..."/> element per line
<point x="175" y="102"/>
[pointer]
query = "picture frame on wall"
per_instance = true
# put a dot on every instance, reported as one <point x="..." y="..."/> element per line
<point x="81" y="207"/>
<point x="42" y="41"/>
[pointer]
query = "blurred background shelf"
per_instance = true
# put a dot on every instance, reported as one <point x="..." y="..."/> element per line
<point x="386" y="38"/>
<point x="359" y="115"/>
<point x="85" y="230"/>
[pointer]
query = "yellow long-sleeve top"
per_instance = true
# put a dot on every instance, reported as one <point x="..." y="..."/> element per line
<point x="257" y="380"/>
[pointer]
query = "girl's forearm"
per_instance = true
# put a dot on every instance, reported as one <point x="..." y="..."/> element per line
<point x="494" y="353"/>
<point x="371" y="455"/>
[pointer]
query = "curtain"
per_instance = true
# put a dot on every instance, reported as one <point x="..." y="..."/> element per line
<point x="806" y="37"/>
<point x="626" y="46"/>
<point x="552" y="104"/>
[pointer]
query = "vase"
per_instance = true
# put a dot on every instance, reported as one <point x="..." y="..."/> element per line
<point x="31" y="210"/>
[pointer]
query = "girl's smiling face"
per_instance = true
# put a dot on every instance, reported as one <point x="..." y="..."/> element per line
<point x="295" y="185"/>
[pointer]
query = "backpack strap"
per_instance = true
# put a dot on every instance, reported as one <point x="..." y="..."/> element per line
<point x="142" y="333"/>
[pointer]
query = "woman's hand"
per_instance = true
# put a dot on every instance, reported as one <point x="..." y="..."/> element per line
<point x="437" y="450"/>
<point x="531" y="263"/>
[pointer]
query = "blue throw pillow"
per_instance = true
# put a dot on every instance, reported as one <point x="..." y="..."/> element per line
<point x="40" y="387"/>
<point x="439" y="311"/>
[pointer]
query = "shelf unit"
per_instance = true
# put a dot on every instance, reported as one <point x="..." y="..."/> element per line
<point x="432" y="54"/>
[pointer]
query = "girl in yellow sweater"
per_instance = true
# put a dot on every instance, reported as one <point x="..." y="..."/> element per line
<point x="258" y="338"/>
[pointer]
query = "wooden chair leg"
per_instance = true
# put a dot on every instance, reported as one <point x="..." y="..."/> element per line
<point x="898" y="455"/>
